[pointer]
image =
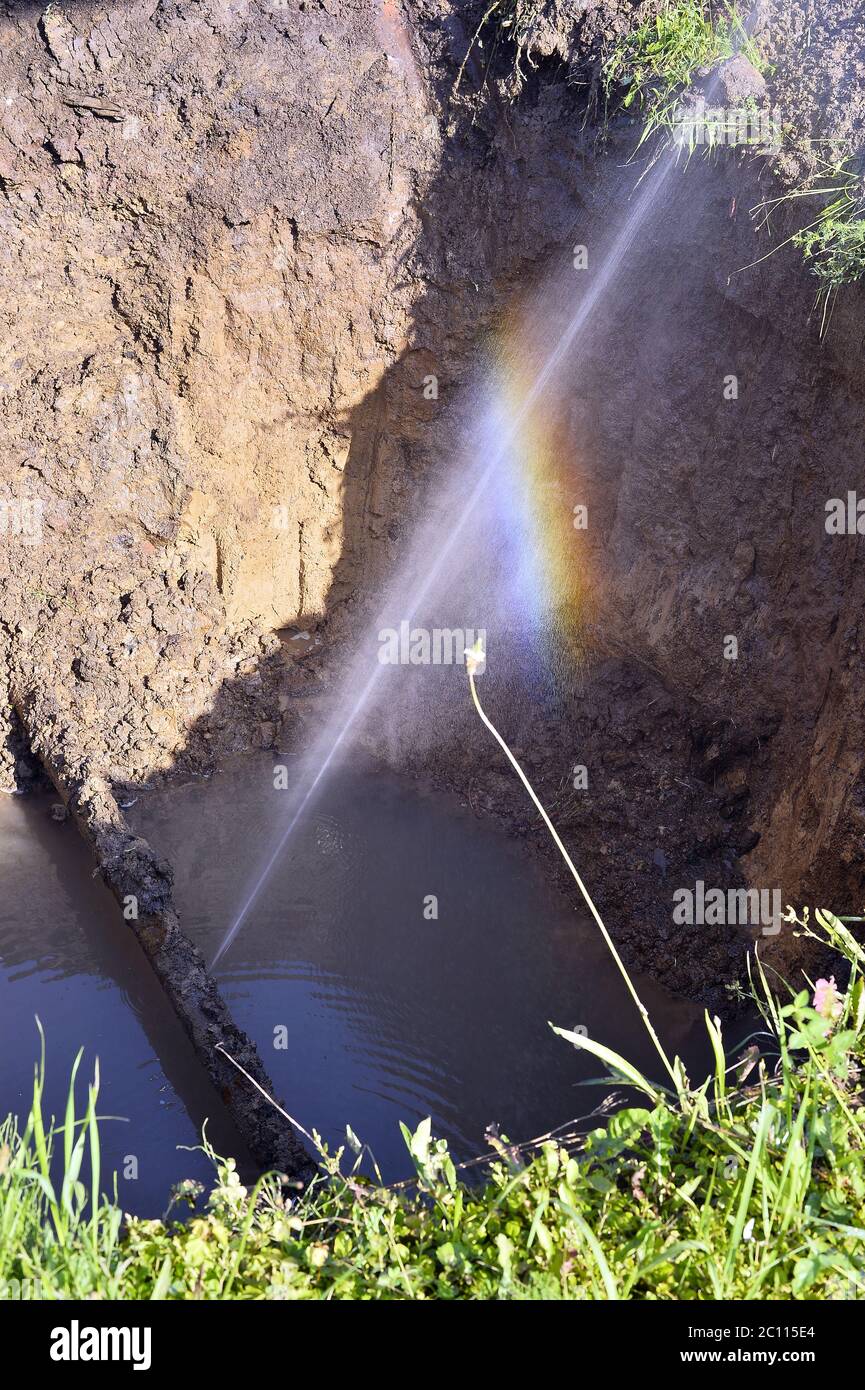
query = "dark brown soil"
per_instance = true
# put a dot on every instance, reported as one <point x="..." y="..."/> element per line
<point x="236" y="239"/>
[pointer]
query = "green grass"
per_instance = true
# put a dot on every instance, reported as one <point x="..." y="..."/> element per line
<point x="750" y="1185"/>
<point x="657" y="61"/>
<point x="833" y="242"/>
<point x="58" y="1236"/>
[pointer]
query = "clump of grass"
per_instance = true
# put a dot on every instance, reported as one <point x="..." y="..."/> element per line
<point x="660" y="58"/>
<point x="833" y="242"/>
<point x="58" y="1236"/>
<point x="766" y="1136"/>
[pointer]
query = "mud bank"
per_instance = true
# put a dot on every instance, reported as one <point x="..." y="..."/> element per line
<point x="242" y="239"/>
<point x="142" y="883"/>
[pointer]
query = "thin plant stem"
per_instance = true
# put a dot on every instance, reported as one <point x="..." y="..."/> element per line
<point x="643" y="1011"/>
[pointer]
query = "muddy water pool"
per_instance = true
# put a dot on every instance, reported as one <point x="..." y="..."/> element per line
<point x="403" y="960"/>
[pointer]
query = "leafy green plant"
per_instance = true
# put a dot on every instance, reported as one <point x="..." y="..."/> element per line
<point x="49" y="1244"/>
<point x="650" y="68"/>
<point x="833" y="243"/>
<point x="660" y="58"/>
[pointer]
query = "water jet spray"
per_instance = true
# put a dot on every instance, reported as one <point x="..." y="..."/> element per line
<point x="336" y="732"/>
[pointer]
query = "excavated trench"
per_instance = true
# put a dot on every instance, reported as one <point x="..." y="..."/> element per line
<point x="238" y="279"/>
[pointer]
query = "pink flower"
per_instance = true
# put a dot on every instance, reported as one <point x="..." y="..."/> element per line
<point x="827" y="1000"/>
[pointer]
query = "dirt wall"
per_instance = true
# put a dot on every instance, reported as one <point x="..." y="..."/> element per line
<point x="236" y="239"/>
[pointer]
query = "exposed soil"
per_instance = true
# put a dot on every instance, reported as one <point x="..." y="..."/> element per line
<point x="236" y="238"/>
<point x="816" y="50"/>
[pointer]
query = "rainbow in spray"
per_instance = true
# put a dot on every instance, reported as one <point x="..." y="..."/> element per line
<point x="525" y="453"/>
<point x="540" y="499"/>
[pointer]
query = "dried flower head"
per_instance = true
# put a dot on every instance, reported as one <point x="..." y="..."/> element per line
<point x="475" y="657"/>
